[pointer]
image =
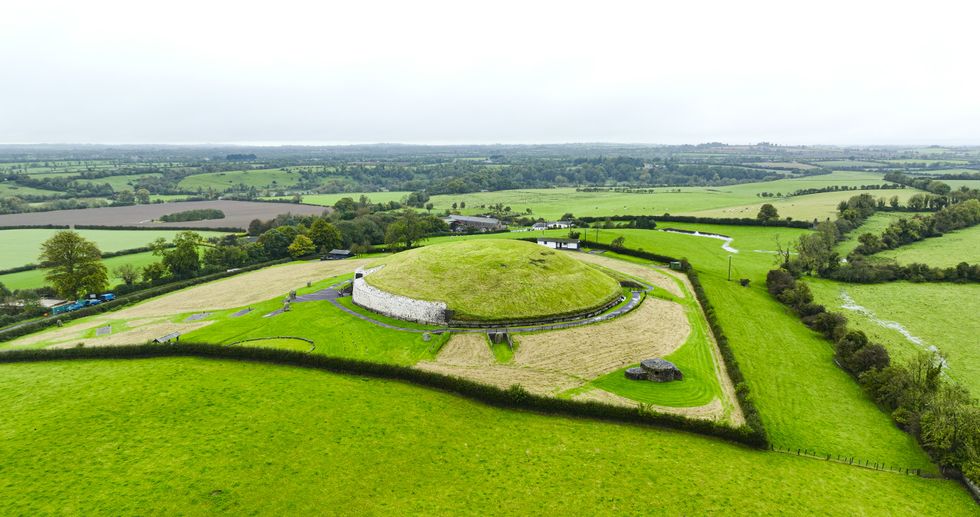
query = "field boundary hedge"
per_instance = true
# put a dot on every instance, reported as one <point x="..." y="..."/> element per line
<point x="20" y="329"/>
<point x="228" y="229"/>
<point x="514" y="397"/>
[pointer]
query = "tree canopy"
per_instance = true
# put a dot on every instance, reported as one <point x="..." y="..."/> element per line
<point x="75" y="265"/>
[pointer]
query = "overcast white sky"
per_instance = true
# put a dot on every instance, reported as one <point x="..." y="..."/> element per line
<point x="855" y="72"/>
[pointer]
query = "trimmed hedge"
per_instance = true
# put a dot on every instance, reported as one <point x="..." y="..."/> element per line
<point x="228" y="229"/>
<point x="513" y="397"/>
<point x="21" y="329"/>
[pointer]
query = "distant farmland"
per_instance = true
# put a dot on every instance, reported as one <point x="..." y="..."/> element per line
<point x="237" y="215"/>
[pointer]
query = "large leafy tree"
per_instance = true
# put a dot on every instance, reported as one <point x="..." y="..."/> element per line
<point x="325" y="236"/>
<point x="182" y="260"/>
<point x="74" y="265"/>
<point x="301" y="247"/>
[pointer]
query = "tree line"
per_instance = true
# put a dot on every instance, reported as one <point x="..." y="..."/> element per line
<point x="941" y="414"/>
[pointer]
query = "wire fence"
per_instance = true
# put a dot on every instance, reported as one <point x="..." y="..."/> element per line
<point x="852" y="460"/>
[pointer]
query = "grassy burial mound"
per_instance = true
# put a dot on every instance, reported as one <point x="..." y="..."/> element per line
<point x="497" y="280"/>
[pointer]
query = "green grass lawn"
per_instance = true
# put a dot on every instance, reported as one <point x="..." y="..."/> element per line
<point x="333" y="331"/>
<point x="194" y="436"/>
<point x="21" y="247"/>
<point x="940" y="315"/>
<point x="259" y="178"/>
<point x="849" y="163"/>
<point x="552" y="203"/>
<point x="496" y="279"/>
<point x="946" y="251"/>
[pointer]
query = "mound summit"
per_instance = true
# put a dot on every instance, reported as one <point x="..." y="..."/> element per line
<point x="497" y="280"/>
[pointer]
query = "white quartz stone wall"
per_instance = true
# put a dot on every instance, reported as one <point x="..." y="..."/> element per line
<point x="397" y="306"/>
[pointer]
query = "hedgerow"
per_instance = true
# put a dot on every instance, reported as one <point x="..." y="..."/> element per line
<point x="513" y="397"/>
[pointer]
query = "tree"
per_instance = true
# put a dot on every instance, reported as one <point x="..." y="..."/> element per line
<point x="767" y="213"/>
<point x="125" y="197"/>
<point x="618" y="243"/>
<point x="182" y="260"/>
<point x="407" y="230"/>
<point x="154" y="273"/>
<point x="143" y="196"/>
<point x="127" y="273"/>
<point x="325" y="236"/>
<point x="75" y="265"/>
<point x="301" y="247"/>
<point x="428" y="207"/>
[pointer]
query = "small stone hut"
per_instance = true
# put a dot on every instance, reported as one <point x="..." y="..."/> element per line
<point x="656" y="370"/>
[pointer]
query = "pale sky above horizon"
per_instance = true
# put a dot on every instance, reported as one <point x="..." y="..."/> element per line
<point x="856" y="72"/>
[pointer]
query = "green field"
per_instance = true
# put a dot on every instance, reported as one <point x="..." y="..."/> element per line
<point x="813" y="206"/>
<point x="334" y="332"/>
<point x="742" y="200"/>
<point x="34" y="278"/>
<point x="874" y="224"/>
<point x="192" y="436"/>
<point x="946" y="251"/>
<point x="258" y="178"/>
<point x="119" y="182"/>
<point x="942" y="315"/>
<point x="496" y="280"/>
<point x="10" y="189"/>
<point x="21" y="247"/>
<point x="849" y="163"/>
<point x="330" y="199"/>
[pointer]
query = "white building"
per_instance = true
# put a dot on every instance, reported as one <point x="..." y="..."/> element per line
<point x="559" y="244"/>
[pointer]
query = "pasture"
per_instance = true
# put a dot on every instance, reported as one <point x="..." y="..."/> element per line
<point x="11" y="189"/>
<point x="742" y="200"/>
<point x="193" y="436"/>
<point x="908" y="318"/>
<point x="258" y="178"/>
<point x="21" y="247"/>
<point x="946" y="251"/>
<point x="128" y="181"/>
<point x="874" y="224"/>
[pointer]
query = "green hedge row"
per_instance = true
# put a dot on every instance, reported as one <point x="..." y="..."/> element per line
<point x="230" y="229"/>
<point x="513" y="397"/>
<point x="21" y="329"/>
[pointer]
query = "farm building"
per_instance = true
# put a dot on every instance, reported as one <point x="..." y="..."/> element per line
<point x="338" y="254"/>
<point x="464" y="223"/>
<point x="552" y="225"/>
<point x="559" y="244"/>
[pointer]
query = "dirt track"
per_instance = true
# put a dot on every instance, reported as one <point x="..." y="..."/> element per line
<point x="237" y="214"/>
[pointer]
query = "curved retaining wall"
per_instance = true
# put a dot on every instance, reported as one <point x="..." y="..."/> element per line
<point x="397" y="306"/>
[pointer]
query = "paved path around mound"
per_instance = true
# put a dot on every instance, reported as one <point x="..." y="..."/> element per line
<point x="331" y="294"/>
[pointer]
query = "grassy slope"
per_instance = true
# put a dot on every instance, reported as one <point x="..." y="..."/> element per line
<point x="119" y="182"/>
<point x="814" y="206"/>
<point x="805" y="400"/>
<point x="552" y="203"/>
<point x="259" y="178"/>
<point x="78" y="434"/>
<point x="10" y="189"/>
<point x="334" y="332"/>
<point x="20" y="247"/>
<point x="942" y="315"/>
<point x="948" y="250"/>
<point x="498" y="279"/>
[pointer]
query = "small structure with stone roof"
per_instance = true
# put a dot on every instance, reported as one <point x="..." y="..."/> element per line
<point x="656" y="370"/>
